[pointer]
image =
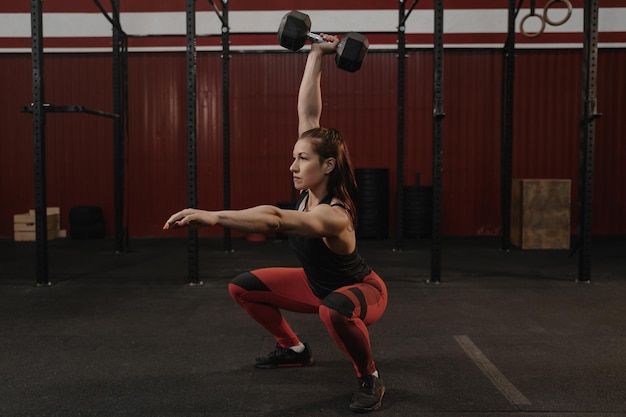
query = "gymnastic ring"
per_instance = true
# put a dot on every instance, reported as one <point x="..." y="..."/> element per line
<point x="565" y="19"/>
<point x="532" y="35"/>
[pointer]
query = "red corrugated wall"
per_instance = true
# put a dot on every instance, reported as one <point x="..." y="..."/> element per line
<point x="263" y="127"/>
<point x="610" y="171"/>
<point x="79" y="151"/>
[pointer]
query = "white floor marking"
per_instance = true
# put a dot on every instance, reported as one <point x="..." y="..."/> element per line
<point x="484" y="364"/>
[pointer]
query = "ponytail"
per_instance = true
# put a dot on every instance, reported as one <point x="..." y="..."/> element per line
<point x="329" y="143"/>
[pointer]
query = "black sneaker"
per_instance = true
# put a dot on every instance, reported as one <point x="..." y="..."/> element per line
<point x="369" y="397"/>
<point x="282" y="357"/>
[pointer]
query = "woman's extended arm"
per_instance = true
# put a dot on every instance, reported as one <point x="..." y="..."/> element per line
<point x="323" y="220"/>
<point x="256" y="219"/>
<point x="310" y="93"/>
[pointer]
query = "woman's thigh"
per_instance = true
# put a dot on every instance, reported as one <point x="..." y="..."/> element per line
<point x="286" y="288"/>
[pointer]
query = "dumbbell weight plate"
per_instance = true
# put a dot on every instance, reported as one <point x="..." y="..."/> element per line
<point x="351" y="51"/>
<point x="293" y="29"/>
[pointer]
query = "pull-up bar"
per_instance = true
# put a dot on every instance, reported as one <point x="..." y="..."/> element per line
<point x="73" y="108"/>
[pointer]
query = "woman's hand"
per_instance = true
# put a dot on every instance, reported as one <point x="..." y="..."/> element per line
<point x="328" y="47"/>
<point x="190" y="218"/>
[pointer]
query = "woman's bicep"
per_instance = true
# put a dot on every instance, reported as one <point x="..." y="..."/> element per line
<point x="322" y="221"/>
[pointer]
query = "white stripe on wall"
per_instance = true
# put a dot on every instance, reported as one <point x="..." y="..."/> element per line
<point x="17" y="25"/>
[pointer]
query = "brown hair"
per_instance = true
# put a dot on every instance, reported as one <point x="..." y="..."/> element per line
<point x="329" y="143"/>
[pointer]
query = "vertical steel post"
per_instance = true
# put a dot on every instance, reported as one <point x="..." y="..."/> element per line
<point x="401" y="113"/>
<point x="118" y="130"/>
<point x="506" y="129"/>
<point x="587" y="138"/>
<point x="192" y="191"/>
<point x="438" y="115"/>
<point x="226" y="115"/>
<point x="39" y="142"/>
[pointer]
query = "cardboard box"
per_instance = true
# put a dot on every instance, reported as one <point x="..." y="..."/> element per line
<point x="26" y="222"/>
<point x="24" y="226"/>
<point x="49" y="210"/>
<point x="540" y="213"/>
<point x="30" y="236"/>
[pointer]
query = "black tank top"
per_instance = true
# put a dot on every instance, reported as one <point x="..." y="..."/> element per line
<point x="326" y="271"/>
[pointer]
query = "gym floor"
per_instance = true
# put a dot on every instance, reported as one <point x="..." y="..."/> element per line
<point x="504" y="334"/>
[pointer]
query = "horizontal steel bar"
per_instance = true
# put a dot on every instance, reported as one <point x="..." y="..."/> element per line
<point x="71" y="109"/>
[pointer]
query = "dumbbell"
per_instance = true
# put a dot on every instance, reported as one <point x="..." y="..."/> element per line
<point x="295" y="29"/>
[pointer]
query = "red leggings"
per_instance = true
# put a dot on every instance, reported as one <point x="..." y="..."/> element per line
<point x="346" y="312"/>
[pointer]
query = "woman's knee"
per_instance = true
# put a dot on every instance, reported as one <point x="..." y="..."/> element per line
<point x="331" y="317"/>
<point x="244" y="283"/>
<point x="336" y="310"/>
<point x="352" y="304"/>
<point x="339" y="303"/>
<point x="249" y="282"/>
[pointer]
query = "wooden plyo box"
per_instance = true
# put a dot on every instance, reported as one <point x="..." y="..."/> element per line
<point x="24" y="224"/>
<point x="540" y="213"/>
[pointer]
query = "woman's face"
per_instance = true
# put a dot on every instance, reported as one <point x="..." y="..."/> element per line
<point x="308" y="172"/>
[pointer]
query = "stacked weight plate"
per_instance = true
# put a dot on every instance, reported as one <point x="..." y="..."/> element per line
<point x="373" y="203"/>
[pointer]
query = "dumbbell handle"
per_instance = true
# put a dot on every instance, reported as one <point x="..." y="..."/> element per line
<point x="314" y="37"/>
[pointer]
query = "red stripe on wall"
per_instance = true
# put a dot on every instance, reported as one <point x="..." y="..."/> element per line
<point x="611" y="37"/>
<point x="59" y="6"/>
<point x="15" y="43"/>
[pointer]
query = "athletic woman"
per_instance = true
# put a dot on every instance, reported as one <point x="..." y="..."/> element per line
<point x="334" y="281"/>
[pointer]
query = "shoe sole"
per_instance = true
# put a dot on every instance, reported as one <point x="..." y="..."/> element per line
<point x="368" y="409"/>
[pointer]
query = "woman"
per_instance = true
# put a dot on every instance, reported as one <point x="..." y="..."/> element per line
<point x="334" y="281"/>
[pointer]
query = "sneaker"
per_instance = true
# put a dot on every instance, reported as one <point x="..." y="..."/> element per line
<point x="282" y="357"/>
<point x="369" y="397"/>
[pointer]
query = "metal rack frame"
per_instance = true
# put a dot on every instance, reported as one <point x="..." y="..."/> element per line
<point x="39" y="109"/>
<point x="587" y="133"/>
<point x="438" y="115"/>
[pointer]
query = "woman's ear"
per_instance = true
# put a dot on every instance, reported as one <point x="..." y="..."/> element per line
<point x="329" y="165"/>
